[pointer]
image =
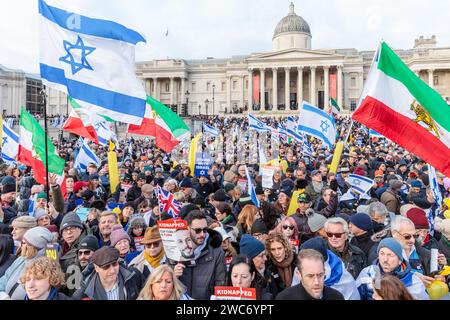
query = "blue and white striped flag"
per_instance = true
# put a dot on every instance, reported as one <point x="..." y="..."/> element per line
<point x="291" y="128"/>
<point x="211" y="130"/>
<point x="104" y="131"/>
<point x="10" y="145"/>
<point x="360" y="183"/>
<point x="251" y="189"/>
<point x="434" y="185"/>
<point x="84" y="156"/>
<point x="317" y="123"/>
<point x="93" y="61"/>
<point x="257" y="124"/>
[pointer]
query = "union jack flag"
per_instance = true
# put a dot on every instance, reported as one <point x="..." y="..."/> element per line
<point x="167" y="203"/>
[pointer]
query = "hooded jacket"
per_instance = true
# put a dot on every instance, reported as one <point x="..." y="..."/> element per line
<point x="208" y="271"/>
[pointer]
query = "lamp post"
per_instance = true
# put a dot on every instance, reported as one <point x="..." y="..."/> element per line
<point x="213" y="109"/>
<point x="187" y="93"/>
<point x="206" y="107"/>
<point x="199" y="107"/>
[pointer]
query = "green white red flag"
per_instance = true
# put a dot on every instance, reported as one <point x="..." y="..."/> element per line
<point x="400" y="106"/>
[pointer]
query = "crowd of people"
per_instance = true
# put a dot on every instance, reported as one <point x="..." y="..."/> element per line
<point x="91" y="242"/>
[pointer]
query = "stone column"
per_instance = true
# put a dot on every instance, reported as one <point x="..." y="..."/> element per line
<point x="431" y="78"/>
<point x="340" y="90"/>
<point x="326" y="83"/>
<point x="155" y="89"/>
<point x="171" y="90"/>
<point x="241" y="102"/>
<point x="275" y="89"/>
<point x="183" y="90"/>
<point x="287" y="90"/>
<point x="148" y="87"/>
<point x="313" y="86"/>
<point x="250" y="89"/>
<point x="262" y="89"/>
<point x="299" y="86"/>
<point x="229" y="92"/>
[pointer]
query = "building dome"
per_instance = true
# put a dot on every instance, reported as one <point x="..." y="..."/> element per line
<point x="292" y="23"/>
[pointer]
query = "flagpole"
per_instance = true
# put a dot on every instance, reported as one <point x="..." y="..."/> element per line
<point x="47" y="189"/>
<point x="348" y="133"/>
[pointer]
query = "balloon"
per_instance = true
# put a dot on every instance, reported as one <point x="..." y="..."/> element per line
<point x="437" y="289"/>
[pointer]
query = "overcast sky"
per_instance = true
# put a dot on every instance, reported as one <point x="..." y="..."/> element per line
<point x="220" y="29"/>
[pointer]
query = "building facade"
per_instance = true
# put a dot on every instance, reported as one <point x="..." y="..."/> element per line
<point x="266" y="82"/>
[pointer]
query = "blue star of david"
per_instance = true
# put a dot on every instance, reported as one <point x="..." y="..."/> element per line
<point x="70" y="59"/>
<point x="324" y="125"/>
<point x="5" y="139"/>
<point x="356" y="183"/>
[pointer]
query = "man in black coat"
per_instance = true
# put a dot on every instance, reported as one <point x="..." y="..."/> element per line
<point x="311" y="272"/>
<point x="361" y="227"/>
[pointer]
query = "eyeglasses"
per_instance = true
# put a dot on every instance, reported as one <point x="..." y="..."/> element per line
<point x="408" y="236"/>
<point x="152" y="245"/>
<point x="114" y="264"/>
<point x="285" y="227"/>
<point x="200" y="230"/>
<point x="85" y="252"/>
<point x="336" y="235"/>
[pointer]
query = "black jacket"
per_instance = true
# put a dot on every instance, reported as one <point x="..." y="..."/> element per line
<point x="276" y="284"/>
<point x="5" y="265"/>
<point x="208" y="271"/>
<point x="130" y="284"/>
<point x="354" y="259"/>
<point x="298" y="292"/>
<point x="133" y="193"/>
<point x="364" y="242"/>
<point x="205" y="189"/>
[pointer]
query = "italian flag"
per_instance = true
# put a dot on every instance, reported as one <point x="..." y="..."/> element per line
<point x="32" y="149"/>
<point x="163" y="124"/>
<point x="334" y="107"/>
<point x="80" y="122"/>
<point x="401" y="107"/>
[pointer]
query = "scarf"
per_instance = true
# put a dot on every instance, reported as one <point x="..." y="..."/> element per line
<point x="154" y="261"/>
<point x="284" y="269"/>
<point x="317" y="186"/>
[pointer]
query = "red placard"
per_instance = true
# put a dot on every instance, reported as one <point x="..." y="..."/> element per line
<point x="234" y="293"/>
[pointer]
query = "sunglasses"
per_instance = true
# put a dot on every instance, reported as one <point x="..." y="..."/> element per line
<point x="114" y="264"/>
<point x="285" y="227"/>
<point x="152" y="245"/>
<point x="409" y="236"/>
<point x="336" y="235"/>
<point x="85" y="252"/>
<point x="200" y="230"/>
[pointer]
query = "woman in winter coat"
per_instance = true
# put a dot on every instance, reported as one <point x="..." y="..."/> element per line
<point x="281" y="264"/>
<point x="34" y="243"/>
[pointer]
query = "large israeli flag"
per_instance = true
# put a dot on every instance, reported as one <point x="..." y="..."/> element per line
<point x="317" y="123"/>
<point x="258" y="125"/>
<point x="93" y="61"/>
<point x="251" y="189"/>
<point x="211" y="130"/>
<point x="84" y="156"/>
<point x="10" y="145"/>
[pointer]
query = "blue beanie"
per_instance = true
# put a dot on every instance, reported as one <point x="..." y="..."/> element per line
<point x="250" y="246"/>
<point x="362" y="221"/>
<point x="416" y="184"/>
<point x="317" y="244"/>
<point x="392" y="245"/>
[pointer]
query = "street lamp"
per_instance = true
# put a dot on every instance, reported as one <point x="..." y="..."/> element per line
<point x="187" y="93"/>
<point x="213" y="86"/>
<point x="206" y="106"/>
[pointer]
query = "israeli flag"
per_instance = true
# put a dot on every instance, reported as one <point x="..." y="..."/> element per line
<point x="257" y="124"/>
<point x="317" y="123"/>
<point x="104" y="131"/>
<point x="291" y="128"/>
<point x="262" y="156"/>
<point x="84" y="156"/>
<point x="360" y="183"/>
<point x="434" y="185"/>
<point x="10" y="145"/>
<point x="211" y="130"/>
<point x="251" y="189"/>
<point x="92" y="60"/>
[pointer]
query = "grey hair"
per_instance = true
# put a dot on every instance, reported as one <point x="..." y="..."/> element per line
<point x="397" y="222"/>
<point x="378" y="209"/>
<point x="337" y="220"/>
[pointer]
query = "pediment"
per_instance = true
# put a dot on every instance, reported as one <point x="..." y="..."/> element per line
<point x="296" y="54"/>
